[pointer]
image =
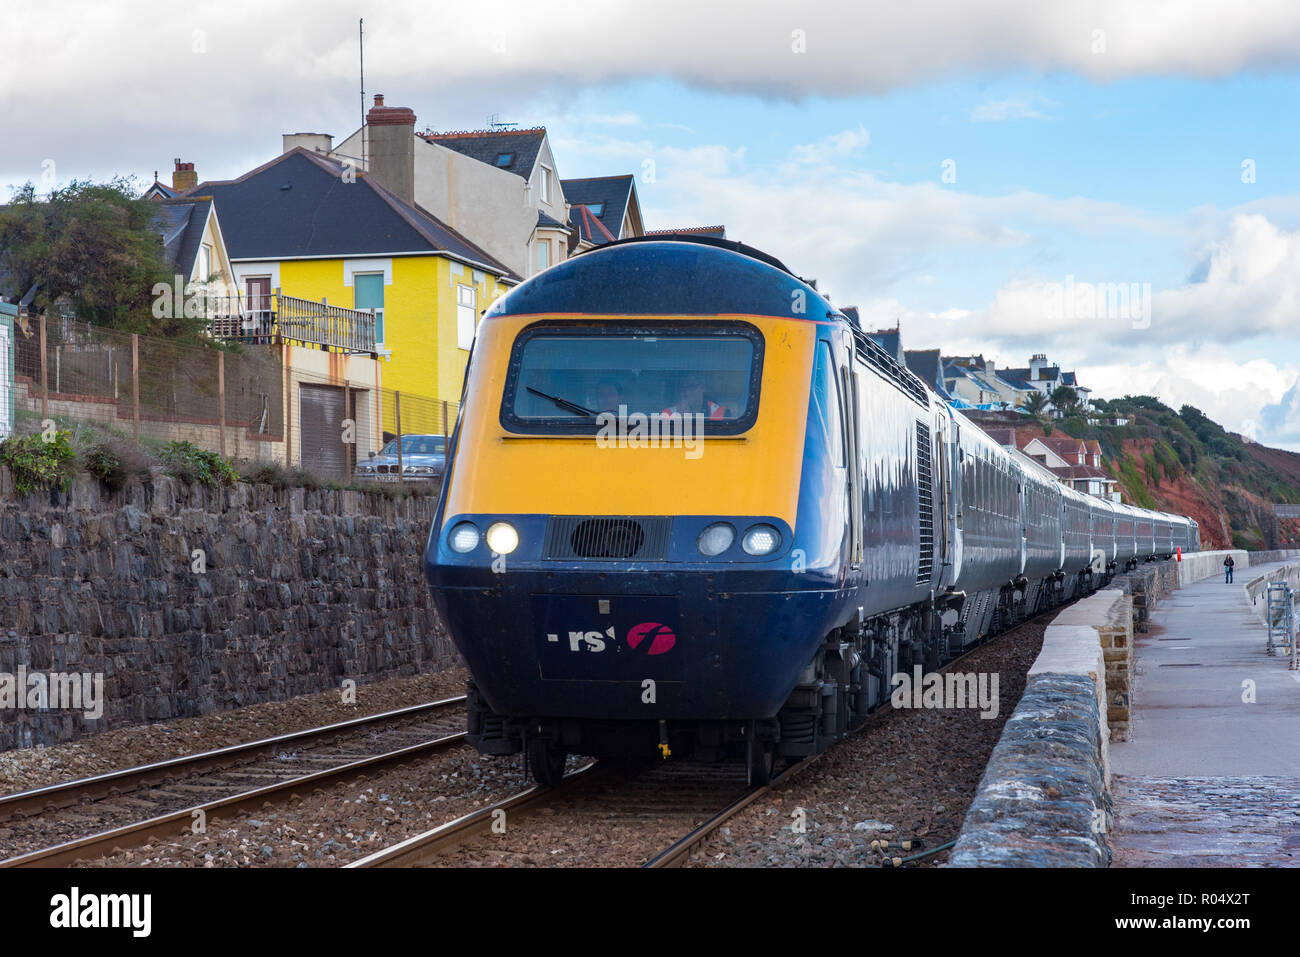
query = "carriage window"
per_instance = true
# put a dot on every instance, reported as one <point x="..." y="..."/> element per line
<point x="563" y="377"/>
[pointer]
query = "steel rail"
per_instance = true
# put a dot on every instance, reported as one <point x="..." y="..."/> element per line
<point x="99" y="786"/>
<point x="178" y="823"/>
<point x="423" y="848"/>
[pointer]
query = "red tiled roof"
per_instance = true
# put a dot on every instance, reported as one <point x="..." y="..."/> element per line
<point x="1081" y="472"/>
<point x="1062" y="446"/>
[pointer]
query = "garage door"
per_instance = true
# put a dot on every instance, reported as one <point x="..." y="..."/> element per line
<point x="321" y="414"/>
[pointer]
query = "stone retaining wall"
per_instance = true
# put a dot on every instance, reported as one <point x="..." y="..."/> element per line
<point x="1148" y="584"/>
<point x="1044" y="798"/>
<point x="1257" y="588"/>
<point x="1111" y="622"/>
<point x="300" y="590"/>
<point x="1275" y="555"/>
<point x="1198" y="565"/>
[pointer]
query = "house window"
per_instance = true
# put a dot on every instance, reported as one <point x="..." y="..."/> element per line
<point x="545" y="184"/>
<point x="543" y="254"/>
<point x="505" y="159"/>
<point x="597" y="209"/>
<point x="368" y="293"/>
<point x="205" y="263"/>
<point x="466" y="314"/>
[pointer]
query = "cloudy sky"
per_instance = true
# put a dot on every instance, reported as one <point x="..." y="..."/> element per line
<point x="992" y="176"/>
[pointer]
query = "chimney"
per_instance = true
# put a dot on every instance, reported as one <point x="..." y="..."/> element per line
<point x="391" y="153"/>
<point x="320" y="143"/>
<point x="184" y="177"/>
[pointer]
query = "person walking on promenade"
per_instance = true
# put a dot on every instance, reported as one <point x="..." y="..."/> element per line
<point x="1228" y="564"/>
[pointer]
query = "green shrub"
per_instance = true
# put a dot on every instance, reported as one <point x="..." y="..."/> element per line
<point x="266" y="473"/>
<point x="116" y="462"/>
<point x="189" y="463"/>
<point x="39" y="464"/>
<point x="103" y="463"/>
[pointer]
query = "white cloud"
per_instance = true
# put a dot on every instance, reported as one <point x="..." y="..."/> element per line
<point x="198" y="78"/>
<point x="862" y="234"/>
<point x="1015" y="108"/>
<point x="1245" y="286"/>
<point x="837" y="146"/>
<point x="1232" y="393"/>
<point x="1246" y="283"/>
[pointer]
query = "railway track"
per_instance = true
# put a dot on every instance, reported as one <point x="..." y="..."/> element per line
<point x="633" y="801"/>
<point x="90" y="817"/>
<point x="708" y="796"/>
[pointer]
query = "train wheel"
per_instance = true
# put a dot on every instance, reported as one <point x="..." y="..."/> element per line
<point x="546" y="761"/>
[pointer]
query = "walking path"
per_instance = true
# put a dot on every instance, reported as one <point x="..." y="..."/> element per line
<point x="1211" y="775"/>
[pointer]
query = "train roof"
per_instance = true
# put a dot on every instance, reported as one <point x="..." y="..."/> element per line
<point x="679" y="275"/>
<point x="716" y="241"/>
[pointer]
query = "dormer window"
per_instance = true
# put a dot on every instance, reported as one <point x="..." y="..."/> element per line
<point x="505" y="159"/>
<point x="597" y="209"/>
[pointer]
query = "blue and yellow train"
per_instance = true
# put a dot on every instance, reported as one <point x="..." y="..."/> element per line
<point x="692" y="509"/>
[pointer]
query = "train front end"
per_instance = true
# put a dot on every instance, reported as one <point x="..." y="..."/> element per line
<point x="615" y="547"/>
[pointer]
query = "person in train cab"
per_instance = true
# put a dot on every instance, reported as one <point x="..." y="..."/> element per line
<point x="1228" y="564"/>
<point x="692" y="401"/>
<point x="609" y="396"/>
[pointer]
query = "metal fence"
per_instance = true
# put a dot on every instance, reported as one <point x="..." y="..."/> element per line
<point x="251" y="403"/>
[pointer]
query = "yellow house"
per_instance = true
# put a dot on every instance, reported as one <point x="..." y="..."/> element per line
<point x="307" y="228"/>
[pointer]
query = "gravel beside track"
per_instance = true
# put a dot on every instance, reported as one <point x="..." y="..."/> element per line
<point x="623" y="817"/>
<point x="336" y="825"/>
<point x="22" y="770"/>
<point x="908" y="775"/>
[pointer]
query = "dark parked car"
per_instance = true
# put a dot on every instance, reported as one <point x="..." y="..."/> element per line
<point x="423" y="459"/>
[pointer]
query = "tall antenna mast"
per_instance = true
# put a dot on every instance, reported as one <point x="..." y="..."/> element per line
<point x="361" y="42"/>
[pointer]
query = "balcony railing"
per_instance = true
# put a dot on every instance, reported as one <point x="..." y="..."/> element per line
<point x="267" y="320"/>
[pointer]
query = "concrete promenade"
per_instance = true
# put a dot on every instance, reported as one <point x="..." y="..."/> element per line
<point x="1211" y="774"/>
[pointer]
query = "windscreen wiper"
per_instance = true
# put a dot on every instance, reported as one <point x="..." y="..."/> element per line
<point x="562" y="403"/>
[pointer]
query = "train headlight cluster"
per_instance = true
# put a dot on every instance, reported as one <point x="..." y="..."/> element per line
<point x="761" y="540"/>
<point x="502" y="538"/>
<point x="464" y="537"/>
<point x="716" y="539"/>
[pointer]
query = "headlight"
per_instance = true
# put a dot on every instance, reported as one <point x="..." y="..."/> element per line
<point x="463" y="538"/>
<point x="420" y="470"/>
<point x="502" y="538"/>
<point x="716" y="539"/>
<point x="761" y="540"/>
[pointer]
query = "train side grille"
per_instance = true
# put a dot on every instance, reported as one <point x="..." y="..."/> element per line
<point x="606" y="538"/>
<point x="925" y="495"/>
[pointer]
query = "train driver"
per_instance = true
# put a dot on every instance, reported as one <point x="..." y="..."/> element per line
<point x="691" y="400"/>
<point x="609" y="396"/>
